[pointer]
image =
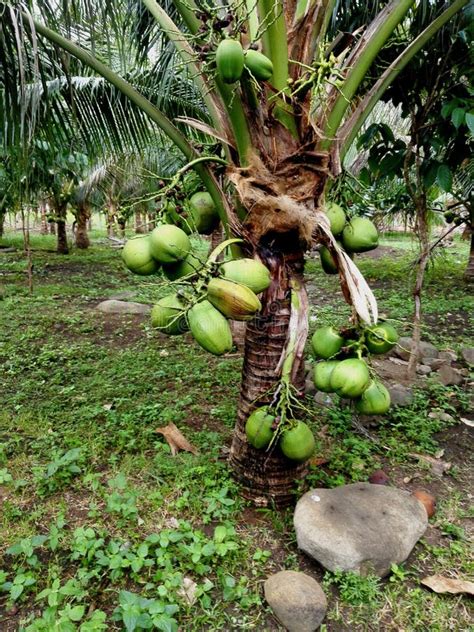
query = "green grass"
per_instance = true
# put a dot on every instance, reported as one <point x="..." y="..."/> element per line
<point x="101" y="527"/>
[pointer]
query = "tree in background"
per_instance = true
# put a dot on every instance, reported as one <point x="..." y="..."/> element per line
<point x="437" y="100"/>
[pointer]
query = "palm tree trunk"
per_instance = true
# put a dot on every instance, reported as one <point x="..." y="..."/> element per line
<point x="266" y="479"/>
<point x="423" y="236"/>
<point x="60" y="212"/>
<point x="469" y="272"/>
<point x="82" y="238"/>
<point x="43" y="219"/>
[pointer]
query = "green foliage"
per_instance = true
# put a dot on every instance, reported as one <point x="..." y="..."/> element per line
<point x="355" y="589"/>
<point x="135" y="518"/>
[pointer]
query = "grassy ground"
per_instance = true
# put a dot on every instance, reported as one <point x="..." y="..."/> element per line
<point x="102" y="529"/>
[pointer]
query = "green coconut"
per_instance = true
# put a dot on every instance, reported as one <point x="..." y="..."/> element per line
<point x="249" y="272"/>
<point x="190" y="265"/>
<point x="337" y="218"/>
<point x="258" y="428"/>
<point x="137" y="256"/>
<point x="381" y="338"/>
<point x="375" y="400"/>
<point x="234" y="300"/>
<point x="322" y="375"/>
<point x="328" y="262"/>
<point x="360" y="235"/>
<point x="350" y="378"/>
<point x="169" y="244"/>
<point x="259" y="65"/>
<point x="326" y="342"/>
<point x="203" y="217"/>
<point x="210" y="328"/>
<point x="298" y="443"/>
<point x="168" y="315"/>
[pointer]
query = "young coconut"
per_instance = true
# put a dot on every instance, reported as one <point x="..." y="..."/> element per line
<point x="259" y="65"/>
<point x="230" y="60"/>
<point x="249" y="272"/>
<point x="168" y="315"/>
<point x="360" y="235"/>
<point x="190" y="265"/>
<point x="169" y="244"/>
<point x="326" y="342"/>
<point x="328" y="262"/>
<point x="322" y="375"/>
<point x="381" y="338"/>
<point x="297" y="443"/>
<point x="337" y="218"/>
<point x="235" y="301"/>
<point x="136" y="255"/>
<point x="258" y="428"/>
<point x="203" y="215"/>
<point x="210" y="328"/>
<point x="350" y="378"/>
<point x="375" y="400"/>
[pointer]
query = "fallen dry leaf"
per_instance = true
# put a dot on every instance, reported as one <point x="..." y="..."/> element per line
<point x="427" y="500"/>
<point x="441" y="584"/>
<point x="188" y="590"/>
<point x="438" y="467"/>
<point x="176" y="440"/>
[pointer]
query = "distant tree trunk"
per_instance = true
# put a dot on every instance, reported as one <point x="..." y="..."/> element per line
<point x="43" y="219"/>
<point x="422" y="231"/>
<point x="82" y="216"/>
<point x="2" y="222"/>
<point x="111" y="217"/>
<point x="121" y="222"/>
<point x="52" y="227"/>
<point x="469" y="272"/>
<point x="60" y="212"/>
<point x="139" y="222"/>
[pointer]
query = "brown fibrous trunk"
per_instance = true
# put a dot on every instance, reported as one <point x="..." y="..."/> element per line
<point x="82" y="217"/>
<point x="62" y="245"/>
<point x="267" y="478"/>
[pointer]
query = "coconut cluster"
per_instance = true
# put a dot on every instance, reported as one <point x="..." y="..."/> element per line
<point x="343" y="368"/>
<point x="214" y="293"/>
<point x="295" y="439"/>
<point x="355" y="236"/>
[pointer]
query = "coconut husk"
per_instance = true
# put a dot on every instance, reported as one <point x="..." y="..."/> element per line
<point x="281" y="201"/>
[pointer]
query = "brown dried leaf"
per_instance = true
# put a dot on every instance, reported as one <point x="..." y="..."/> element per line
<point x="206" y="129"/>
<point x="440" y="584"/>
<point x="188" y="591"/>
<point x="438" y="467"/>
<point x="176" y="440"/>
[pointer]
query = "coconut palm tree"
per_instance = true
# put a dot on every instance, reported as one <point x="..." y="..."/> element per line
<point x="282" y="137"/>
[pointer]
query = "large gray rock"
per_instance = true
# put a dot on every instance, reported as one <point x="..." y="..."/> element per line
<point x="467" y="354"/>
<point x="360" y="527"/>
<point x="427" y="350"/>
<point x="297" y="600"/>
<point x="423" y="369"/>
<point x="449" y="376"/>
<point x="400" y="395"/>
<point x="112" y="306"/>
<point x="126" y="295"/>
<point x="436" y="363"/>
